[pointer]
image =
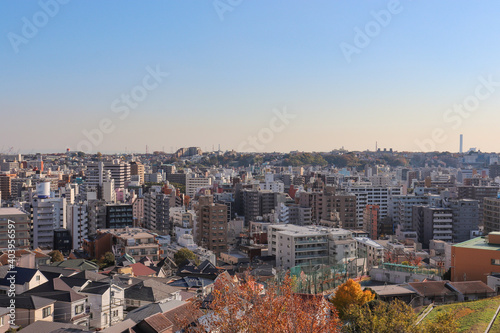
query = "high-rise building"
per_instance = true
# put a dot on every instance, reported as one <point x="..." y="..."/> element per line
<point x="137" y="169"/>
<point x="78" y="224"/>
<point x="157" y="212"/>
<point x="22" y="223"/>
<point x="195" y="182"/>
<point x="118" y="171"/>
<point x="371" y="221"/>
<point x="491" y="215"/>
<point x="212" y="227"/>
<point x="119" y="216"/>
<point x="433" y="223"/>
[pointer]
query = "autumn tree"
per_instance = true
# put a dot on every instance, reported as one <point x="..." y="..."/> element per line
<point x="183" y="255"/>
<point x="381" y="317"/>
<point x="56" y="256"/>
<point x="444" y="322"/>
<point x="247" y="308"/>
<point x="350" y="293"/>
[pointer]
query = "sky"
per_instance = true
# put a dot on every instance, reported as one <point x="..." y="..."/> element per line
<point x="120" y="75"/>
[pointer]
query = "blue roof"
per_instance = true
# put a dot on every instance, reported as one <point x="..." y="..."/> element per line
<point x="22" y="275"/>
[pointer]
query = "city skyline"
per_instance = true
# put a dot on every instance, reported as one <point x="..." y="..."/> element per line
<point x="406" y="75"/>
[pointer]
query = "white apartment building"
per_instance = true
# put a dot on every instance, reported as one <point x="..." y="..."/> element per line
<point x="78" y="223"/>
<point x="371" y="251"/>
<point x="299" y="245"/>
<point x="400" y="208"/>
<point x="372" y="195"/>
<point x="48" y="214"/>
<point x="195" y="182"/>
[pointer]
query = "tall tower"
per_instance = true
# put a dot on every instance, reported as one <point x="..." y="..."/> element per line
<point x="461" y="143"/>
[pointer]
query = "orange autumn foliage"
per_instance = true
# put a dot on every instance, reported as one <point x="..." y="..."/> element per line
<point x="350" y="293"/>
<point x="245" y="308"/>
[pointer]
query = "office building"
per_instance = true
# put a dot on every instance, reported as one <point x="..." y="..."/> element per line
<point x="22" y="223"/>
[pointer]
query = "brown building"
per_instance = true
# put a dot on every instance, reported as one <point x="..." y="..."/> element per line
<point x="491" y="214"/>
<point x="323" y="204"/>
<point x="137" y="169"/>
<point x="5" y="186"/>
<point x="212" y="226"/>
<point x="475" y="259"/>
<point x="370" y="220"/>
<point x="22" y="227"/>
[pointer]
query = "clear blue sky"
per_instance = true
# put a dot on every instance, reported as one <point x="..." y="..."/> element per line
<point x="227" y="76"/>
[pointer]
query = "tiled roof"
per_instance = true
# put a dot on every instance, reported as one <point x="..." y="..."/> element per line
<point x="159" y="322"/>
<point x="139" y="269"/>
<point x="472" y="287"/>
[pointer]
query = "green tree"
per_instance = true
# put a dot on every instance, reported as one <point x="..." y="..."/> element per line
<point x="56" y="256"/>
<point x="183" y="255"/>
<point x="108" y="259"/>
<point x="381" y="317"/>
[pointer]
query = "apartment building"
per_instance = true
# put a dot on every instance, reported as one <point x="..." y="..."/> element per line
<point x="308" y="245"/>
<point x="212" y="227"/>
<point x="21" y="221"/>
<point x="136" y="242"/>
<point x="491" y="214"/>
<point x="372" y="195"/>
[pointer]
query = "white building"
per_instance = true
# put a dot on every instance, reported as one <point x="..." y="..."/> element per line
<point x="297" y="245"/>
<point x="371" y="251"/>
<point x="195" y="182"/>
<point x="372" y="195"/>
<point x="78" y="223"/>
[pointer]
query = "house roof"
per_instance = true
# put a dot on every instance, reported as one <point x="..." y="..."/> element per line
<point x="148" y="310"/>
<point x="22" y="275"/>
<point x="31" y="302"/>
<point x="97" y="288"/>
<point x="392" y="290"/>
<point x="74" y="282"/>
<point x="52" y="327"/>
<point x="122" y="326"/>
<point x="478" y="243"/>
<point x="139" y="269"/>
<point x="80" y="264"/>
<point x="431" y="288"/>
<point x="158" y="322"/>
<point x="89" y="275"/>
<point x="150" y="290"/>
<point x="61" y="270"/>
<point x="472" y="287"/>
<point x="191" y="282"/>
<point x="56" y="290"/>
<point x="182" y="314"/>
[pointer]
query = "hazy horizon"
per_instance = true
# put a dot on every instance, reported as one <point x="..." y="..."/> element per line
<point x="407" y="75"/>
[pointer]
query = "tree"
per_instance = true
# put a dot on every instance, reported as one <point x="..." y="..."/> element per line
<point x="56" y="256"/>
<point x="444" y="322"/>
<point x="350" y="293"/>
<point x="183" y="255"/>
<point x="246" y="308"/>
<point x="381" y="317"/>
<point x="108" y="259"/>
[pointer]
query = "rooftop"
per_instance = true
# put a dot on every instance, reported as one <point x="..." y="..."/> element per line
<point x="11" y="211"/>
<point x="478" y="243"/>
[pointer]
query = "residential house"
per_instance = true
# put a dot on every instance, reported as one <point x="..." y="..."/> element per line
<point x="25" y="279"/>
<point x="30" y="308"/>
<point x="106" y="302"/>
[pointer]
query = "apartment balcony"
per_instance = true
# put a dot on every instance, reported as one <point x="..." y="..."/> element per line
<point x="310" y="256"/>
<point x="442" y="226"/>
<point x="313" y="241"/>
<point x="314" y="248"/>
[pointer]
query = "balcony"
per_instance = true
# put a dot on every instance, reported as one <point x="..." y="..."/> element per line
<point x="313" y="241"/>
<point x="314" y="248"/>
<point x="309" y="256"/>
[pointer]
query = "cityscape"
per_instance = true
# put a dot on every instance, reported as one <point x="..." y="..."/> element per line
<point x="236" y="167"/>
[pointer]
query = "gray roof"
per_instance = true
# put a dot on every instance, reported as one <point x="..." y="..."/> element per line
<point x="148" y="310"/>
<point x="26" y="301"/>
<point x="52" y="327"/>
<point x="150" y="290"/>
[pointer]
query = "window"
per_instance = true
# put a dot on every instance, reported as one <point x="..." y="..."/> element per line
<point x="79" y="309"/>
<point x="495" y="262"/>
<point x="105" y="317"/>
<point x="115" y="313"/>
<point x="38" y="277"/>
<point x="46" y="312"/>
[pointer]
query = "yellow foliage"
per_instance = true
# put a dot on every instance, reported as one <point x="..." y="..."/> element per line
<point x="350" y="293"/>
